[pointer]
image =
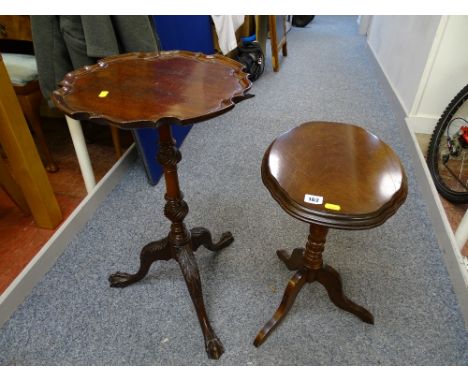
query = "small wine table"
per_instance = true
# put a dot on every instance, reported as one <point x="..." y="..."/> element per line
<point x="155" y="90"/>
<point x="329" y="175"/>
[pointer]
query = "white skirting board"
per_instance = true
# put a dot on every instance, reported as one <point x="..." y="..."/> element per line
<point x="456" y="264"/>
<point x="23" y="284"/>
<point x="421" y="125"/>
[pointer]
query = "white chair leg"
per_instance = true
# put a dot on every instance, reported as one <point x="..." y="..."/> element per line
<point x="81" y="150"/>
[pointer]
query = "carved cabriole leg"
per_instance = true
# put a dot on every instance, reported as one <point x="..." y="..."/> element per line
<point x="201" y="236"/>
<point x="180" y="239"/>
<point x="189" y="267"/>
<point x="156" y="250"/>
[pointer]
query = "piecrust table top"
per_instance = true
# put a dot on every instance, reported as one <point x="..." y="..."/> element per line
<point x="148" y="89"/>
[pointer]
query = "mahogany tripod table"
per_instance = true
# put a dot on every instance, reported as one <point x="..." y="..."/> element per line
<point x="155" y="90"/>
<point x="329" y="175"/>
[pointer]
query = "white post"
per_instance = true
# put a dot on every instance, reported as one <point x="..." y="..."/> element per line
<point x="364" y="24"/>
<point x="461" y="235"/>
<point x="81" y="150"/>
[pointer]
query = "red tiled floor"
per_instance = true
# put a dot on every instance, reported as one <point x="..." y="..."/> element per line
<point x="20" y="238"/>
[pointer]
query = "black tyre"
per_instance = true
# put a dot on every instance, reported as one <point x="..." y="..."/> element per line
<point x="447" y="156"/>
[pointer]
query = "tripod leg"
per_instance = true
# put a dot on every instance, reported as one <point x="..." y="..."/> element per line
<point x="156" y="250"/>
<point x="331" y="280"/>
<point x="201" y="236"/>
<point x="293" y="262"/>
<point x="294" y="286"/>
<point x="188" y="265"/>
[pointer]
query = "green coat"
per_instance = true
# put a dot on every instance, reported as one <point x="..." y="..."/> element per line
<point x="65" y="43"/>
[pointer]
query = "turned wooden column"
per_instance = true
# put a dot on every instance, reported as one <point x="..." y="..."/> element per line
<point x="314" y="248"/>
<point x="176" y="209"/>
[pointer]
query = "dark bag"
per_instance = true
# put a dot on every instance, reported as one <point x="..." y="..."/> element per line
<point x="251" y="56"/>
<point x="301" y="21"/>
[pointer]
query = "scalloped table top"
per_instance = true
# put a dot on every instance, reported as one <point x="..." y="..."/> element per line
<point x="149" y="89"/>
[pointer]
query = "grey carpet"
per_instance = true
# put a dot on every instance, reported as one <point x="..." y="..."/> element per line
<point x="72" y="317"/>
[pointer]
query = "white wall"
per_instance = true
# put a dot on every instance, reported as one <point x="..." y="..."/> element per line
<point x="401" y="45"/>
<point x="425" y="59"/>
<point x="448" y="71"/>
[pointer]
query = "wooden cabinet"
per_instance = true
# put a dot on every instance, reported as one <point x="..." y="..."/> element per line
<point x="15" y="28"/>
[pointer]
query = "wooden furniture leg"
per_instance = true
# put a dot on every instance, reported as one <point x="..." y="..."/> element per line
<point x="278" y="40"/>
<point x="11" y="188"/>
<point x="201" y="236"/>
<point x="331" y="280"/>
<point x="293" y="262"/>
<point x="21" y="151"/>
<point x="309" y="263"/>
<point x="290" y="294"/>
<point x="179" y="244"/>
<point x="116" y="141"/>
<point x="274" y="43"/>
<point x="30" y="102"/>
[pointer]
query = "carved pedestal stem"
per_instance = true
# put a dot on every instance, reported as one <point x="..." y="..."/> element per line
<point x="176" y="208"/>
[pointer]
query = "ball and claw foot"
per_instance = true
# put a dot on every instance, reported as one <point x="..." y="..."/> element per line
<point x="151" y="252"/>
<point x="163" y="250"/>
<point x="214" y="348"/>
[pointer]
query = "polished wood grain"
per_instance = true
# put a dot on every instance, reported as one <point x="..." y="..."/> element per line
<point x="156" y="90"/>
<point x="14" y="27"/>
<point x="26" y="166"/>
<point x="347" y="167"/>
<point x="344" y="164"/>
<point x="11" y="187"/>
<point x="30" y="98"/>
<point x="17" y="30"/>
<point x="152" y="89"/>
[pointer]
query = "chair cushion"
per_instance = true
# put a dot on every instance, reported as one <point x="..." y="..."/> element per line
<point x="21" y="68"/>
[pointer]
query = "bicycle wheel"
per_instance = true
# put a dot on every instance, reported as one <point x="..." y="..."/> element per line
<point x="447" y="156"/>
